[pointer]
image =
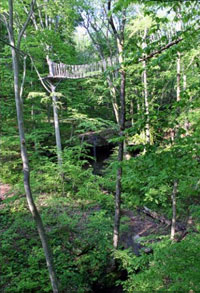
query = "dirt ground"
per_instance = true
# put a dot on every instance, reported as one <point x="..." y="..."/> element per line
<point x="4" y="190"/>
<point x="143" y="225"/>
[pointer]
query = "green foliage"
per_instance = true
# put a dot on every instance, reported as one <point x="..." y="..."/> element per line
<point x="171" y="267"/>
<point x="10" y="162"/>
<point x="80" y="240"/>
<point x="77" y="206"/>
<point x="148" y="179"/>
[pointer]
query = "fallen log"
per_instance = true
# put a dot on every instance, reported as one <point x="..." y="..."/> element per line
<point x="155" y="215"/>
<point x="160" y="218"/>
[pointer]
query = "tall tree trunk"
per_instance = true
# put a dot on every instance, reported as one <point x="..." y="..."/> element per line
<point x="121" y="148"/>
<point x="24" y="155"/>
<point x="114" y="99"/>
<point x="146" y="104"/>
<point x="173" y="226"/>
<point x="184" y="82"/>
<point x="138" y="106"/>
<point x="51" y="90"/>
<point x="178" y="64"/>
<point x="187" y="124"/>
<point x="178" y="90"/>
<point x="34" y="128"/>
<point x="27" y="187"/>
<point x="120" y="160"/>
<point x="56" y="125"/>
<point x="132" y="112"/>
<point x="23" y="79"/>
<point x="119" y="36"/>
<point x="146" y="99"/>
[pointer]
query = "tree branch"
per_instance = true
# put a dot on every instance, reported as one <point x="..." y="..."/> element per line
<point x="19" y="51"/>
<point x="160" y="218"/>
<point x="39" y="76"/>
<point x="25" y="24"/>
<point x="23" y="78"/>
<point x="111" y="21"/>
<point x="32" y="17"/>
<point x="4" y="21"/>
<point x="161" y="50"/>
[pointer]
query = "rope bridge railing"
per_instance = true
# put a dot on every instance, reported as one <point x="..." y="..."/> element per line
<point x="60" y="70"/>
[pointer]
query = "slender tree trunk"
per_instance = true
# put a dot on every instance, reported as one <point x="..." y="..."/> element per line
<point x="114" y="99"/>
<point x="138" y="106"/>
<point x="34" y="128"/>
<point x="31" y="204"/>
<point x="187" y="125"/>
<point x="184" y="82"/>
<point x="23" y="79"/>
<point x="119" y="36"/>
<point x="178" y="90"/>
<point x="132" y="112"/>
<point x="146" y="104"/>
<point x="173" y="226"/>
<point x="146" y="99"/>
<point x="52" y="91"/>
<point x="56" y="125"/>
<point x="178" y="65"/>
<point x="120" y="150"/>
<point x="24" y="155"/>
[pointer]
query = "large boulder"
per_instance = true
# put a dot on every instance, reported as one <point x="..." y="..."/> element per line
<point x="99" y="138"/>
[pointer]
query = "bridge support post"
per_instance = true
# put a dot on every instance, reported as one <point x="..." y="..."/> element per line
<point x="56" y="124"/>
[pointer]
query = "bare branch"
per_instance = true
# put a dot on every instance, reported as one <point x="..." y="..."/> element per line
<point x="111" y="21"/>
<point x="39" y="76"/>
<point x="40" y="16"/>
<point x="19" y="51"/>
<point x="23" y="78"/>
<point x="161" y="49"/>
<point x="4" y="21"/>
<point x="32" y="18"/>
<point x="100" y="52"/>
<point x="25" y="24"/>
<point x="170" y="44"/>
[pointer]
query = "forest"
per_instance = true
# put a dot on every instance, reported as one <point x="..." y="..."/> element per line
<point x="99" y="146"/>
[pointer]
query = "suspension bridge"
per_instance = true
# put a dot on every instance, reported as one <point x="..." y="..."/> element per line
<point x="64" y="71"/>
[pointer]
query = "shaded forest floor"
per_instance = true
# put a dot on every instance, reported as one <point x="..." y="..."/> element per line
<point x="80" y="235"/>
<point x="134" y="223"/>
